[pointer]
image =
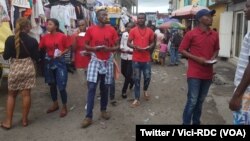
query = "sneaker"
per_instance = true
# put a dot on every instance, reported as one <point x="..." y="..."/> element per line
<point x="105" y="115"/>
<point x="86" y="122"/>
<point x="135" y="104"/>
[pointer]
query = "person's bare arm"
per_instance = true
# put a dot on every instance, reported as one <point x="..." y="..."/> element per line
<point x="65" y="51"/>
<point x="111" y="49"/>
<point x="152" y="44"/>
<point x="89" y="48"/>
<point x="235" y="102"/>
<point x="130" y="44"/>
<point x="199" y="60"/>
<point x="215" y="55"/>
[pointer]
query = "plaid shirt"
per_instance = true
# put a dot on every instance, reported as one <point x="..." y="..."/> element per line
<point x="97" y="66"/>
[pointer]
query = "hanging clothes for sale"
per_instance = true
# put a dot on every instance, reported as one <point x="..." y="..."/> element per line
<point x="38" y="9"/>
<point x="93" y="18"/>
<point x="17" y="12"/>
<point x="64" y="14"/>
<point x="5" y="32"/>
<point x="3" y="11"/>
<point x="79" y="11"/>
<point x="37" y="12"/>
<point x="22" y="3"/>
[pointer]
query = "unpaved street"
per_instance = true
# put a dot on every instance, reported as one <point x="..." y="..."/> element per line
<point x="168" y="94"/>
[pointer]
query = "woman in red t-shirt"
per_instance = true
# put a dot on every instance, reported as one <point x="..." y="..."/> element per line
<point x="81" y="56"/>
<point x="56" y="45"/>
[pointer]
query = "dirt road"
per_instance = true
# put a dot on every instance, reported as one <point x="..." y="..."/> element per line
<point x="168" y="95"/>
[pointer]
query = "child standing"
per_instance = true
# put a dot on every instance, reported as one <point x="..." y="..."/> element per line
<point x="163" y="51"/>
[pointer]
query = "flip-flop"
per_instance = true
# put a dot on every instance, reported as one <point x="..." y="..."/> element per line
<point x="63" y="114"/>
<point x="146" y="96"/>
<point x="135" y="104"/>
<point x="52" y="110"/>
<point x="4" y="127"/>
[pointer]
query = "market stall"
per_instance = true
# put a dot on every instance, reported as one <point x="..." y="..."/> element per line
<point x="5" y="31"/>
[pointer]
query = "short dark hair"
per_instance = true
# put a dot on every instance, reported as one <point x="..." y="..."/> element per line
<point x="99" y="11"/>
<point x="142" y="14"/>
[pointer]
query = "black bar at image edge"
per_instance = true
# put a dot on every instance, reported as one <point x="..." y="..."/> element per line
<point x="216" y="132"/>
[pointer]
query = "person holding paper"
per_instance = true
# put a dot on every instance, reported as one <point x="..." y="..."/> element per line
<point x="199" y="45"/>
<point x="56" y="44"/>
<point x="81" y="56"/>
<point x="101" y="40"/>
<point x="240" y="102"/>
<point x="141" y="39"/>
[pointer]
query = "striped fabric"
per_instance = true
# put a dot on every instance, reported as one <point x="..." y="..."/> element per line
<point x="243" y="61"/>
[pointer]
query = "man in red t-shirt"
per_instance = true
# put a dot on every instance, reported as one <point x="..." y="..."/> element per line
<point x="101" y="40"/>
<point x="141" y="39"/>
<point x="203" y="46"/>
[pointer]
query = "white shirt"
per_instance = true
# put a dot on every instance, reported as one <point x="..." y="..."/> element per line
<point x="124" y="47"/>
<point x="243" y="61"/>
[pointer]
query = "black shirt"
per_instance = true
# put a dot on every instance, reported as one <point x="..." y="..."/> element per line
<point x="30" y="43"/>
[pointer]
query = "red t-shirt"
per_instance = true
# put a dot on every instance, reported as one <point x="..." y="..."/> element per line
<point x="142" y="38"/>
<point x="52" y="41"/>
<point x="201" y="44"/>
<point x="99" y="36"/>
<point x="81" y="61"/>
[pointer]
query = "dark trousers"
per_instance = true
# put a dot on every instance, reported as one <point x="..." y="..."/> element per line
<point x="127" y="72"/>
<point x="91" y="95"/>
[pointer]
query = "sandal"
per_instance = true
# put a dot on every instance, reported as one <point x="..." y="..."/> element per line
<point x="63" y="113"/>
<point x="4" y="127"/>
<point x="146" y="96"/>
<point x="51" y="110"/>
<point x="135" y="104"/>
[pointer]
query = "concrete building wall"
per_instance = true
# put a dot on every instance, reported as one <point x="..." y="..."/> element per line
<point x="220" y="8"/>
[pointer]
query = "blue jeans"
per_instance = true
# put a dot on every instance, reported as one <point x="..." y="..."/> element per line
<point x="197" y="92"/>
<point x="111" y="90"/>
<point x="91" y="95"/>
<point x="139" y="68"/>
<point x="53" y="91"/>
<point x="174" y="56"/>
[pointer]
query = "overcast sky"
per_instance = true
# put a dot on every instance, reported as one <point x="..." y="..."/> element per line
<point x="153" y="6"/>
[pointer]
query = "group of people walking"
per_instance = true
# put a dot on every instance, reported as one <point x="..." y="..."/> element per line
<point x="94" y="59"/>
